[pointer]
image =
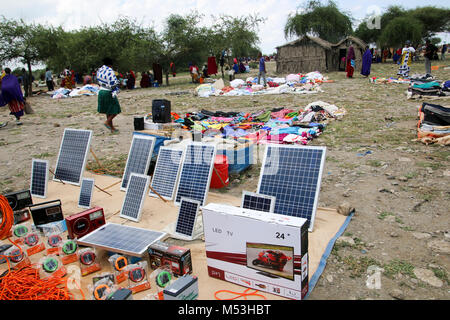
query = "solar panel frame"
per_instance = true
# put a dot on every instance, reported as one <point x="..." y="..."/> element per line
<point x="180" y="214"/>
<point x="128" y="240"/>
<point x="159" y="166"/>
<point x="90" y="180"/>
<point x="33" y="176"/>
<point x="127" y="171"/>
<point x="319" y="177"/>
<point x="210" y="170"/>
<point x="129" y="195"/>
<point x="260" y="196"/>
<point x="67" y="131"/>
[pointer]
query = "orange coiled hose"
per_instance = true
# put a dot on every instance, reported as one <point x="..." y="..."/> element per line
<point x="7" y="216"/>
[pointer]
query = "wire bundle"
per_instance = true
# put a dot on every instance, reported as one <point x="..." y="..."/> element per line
<point x="7" y="217"/>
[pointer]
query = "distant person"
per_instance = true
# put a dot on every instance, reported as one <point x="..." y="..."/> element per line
<point x="25" y="82"/>
<point x="395" y="57"/>
<point x="430" y="50"/>
<point x="87" y="79"/>
<point x="67" y="79"/>
<point x="222" y="62"/>
<point x="107" y="96"/>
<point x="205" y="71"/>
<point x="173" y="70"/>
<point x="350" y="61"/>
<point x="236" y="67"/>
<point x="194" y="72"/>
<point x="145" y="80"/>
<point x="262" y="69"/>
<point x="11" y="94"/>
<point x="49" y="79"/>
<point x="131" y="80"/>
<point x="366" y="62"/>
<point x="444" y="50"/>
<point x="406" y="58"/>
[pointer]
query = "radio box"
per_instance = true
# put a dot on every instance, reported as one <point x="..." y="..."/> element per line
<point x="179" y="258"/>
<point x="260" y="250"/>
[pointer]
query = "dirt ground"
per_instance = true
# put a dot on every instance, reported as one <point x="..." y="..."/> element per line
<point x="398" y="186"/>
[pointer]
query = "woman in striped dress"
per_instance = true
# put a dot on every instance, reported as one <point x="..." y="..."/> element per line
<point x="12" y="95"/>
<point x="406" y="59"/>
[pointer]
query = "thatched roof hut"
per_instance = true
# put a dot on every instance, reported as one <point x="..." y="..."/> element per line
<point x="309" y="53"/>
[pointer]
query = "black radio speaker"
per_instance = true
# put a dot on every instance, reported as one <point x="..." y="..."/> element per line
<point x="161" y="111"/>
<point x="19" y="200"/>
<point x="46" y="212"/>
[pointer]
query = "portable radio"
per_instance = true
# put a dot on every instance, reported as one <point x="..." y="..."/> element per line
<point x="19" y="200"/>
<point x="46" y="212"/>
<point x="82" y="223"/>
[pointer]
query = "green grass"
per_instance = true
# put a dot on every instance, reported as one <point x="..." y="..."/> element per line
<point x="384" y="214"/>
<point x="432" y="165"/>
<point x="398" y="266"/>
<point x="374" y="163"/>
<point x="43" y="155"/>
<point x="358" y="266"/>
<point x="441" y="274"/>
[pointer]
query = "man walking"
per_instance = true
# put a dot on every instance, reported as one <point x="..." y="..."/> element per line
<point x="262" y="69"/>
<point x="430" y="50"/>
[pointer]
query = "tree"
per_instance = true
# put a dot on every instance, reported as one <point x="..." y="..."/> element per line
<point x="23" y="42"/>
<point x="324" y="21"/>
<point x="399" y="30"/>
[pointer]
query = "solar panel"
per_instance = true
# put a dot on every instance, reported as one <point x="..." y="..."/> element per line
<point x="187" y="215"/>
<point x="135" y="196"/>
<point x="87" y="187"/>
<point x="196" y="172"/>
<point x="139" y="157"/>
<point x="166" y="172"/>
<point x="72" y="155"/>
<point x="292" y="174"/>
<point x="121" y="239"/>
<point x="255" y="201"/>
<point x="39" y="178"/>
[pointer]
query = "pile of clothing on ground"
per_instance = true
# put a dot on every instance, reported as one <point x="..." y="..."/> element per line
<point x="292" y="83"/>
<point x="388" y="80"/>
<point x="87" y="90"/>
<point x="434" y="124"/>
<point x="434" y="88"/>
<point x="278" y="125"/>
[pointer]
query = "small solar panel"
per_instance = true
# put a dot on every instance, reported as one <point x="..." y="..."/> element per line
<point x="72" y="155"/>
<point x="292" y="174"/>
<point x="167" y="170"/>
<point x="39" y="178"/>
<point x="255" y="201"/>
<point x="196" y="172"/>
<point x="187" y="215"/>
<point x="87" y="187"/>
<point x="121" y="239"/>
<point x="139" y="157"/>
<point x="135" y="196"/>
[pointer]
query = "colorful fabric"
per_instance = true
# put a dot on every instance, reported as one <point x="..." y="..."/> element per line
<point x="107" y="103"/>
<point x="212" y="65"/>
<point x="16" y="108"/>
<point x="11" y="89"/>
<point x="107" y="79"/>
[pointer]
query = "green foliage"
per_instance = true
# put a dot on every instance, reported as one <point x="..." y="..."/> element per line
<point x="324" y="21"/>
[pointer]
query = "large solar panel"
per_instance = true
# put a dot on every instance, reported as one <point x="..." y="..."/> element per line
<point x="292" y="174"/>
<point x="196" y="172"/>
<point x="187" y="215"/>
<point x="255" y="201"/>
<point x="139" y="157"/>
<point x="135" y="196"/>
<point x="39" y="178"/>
<point x="87" y="187"/>
<point x="166" y="172"/>
<point x="72" y="155"/>
<point x="121" y="239"/>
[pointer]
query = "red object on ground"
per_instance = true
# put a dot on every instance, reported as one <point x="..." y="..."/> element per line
<point x="219" y="178"/>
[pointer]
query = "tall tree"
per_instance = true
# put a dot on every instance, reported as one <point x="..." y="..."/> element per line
<point x="324" y="21"/>
<point x="22" y="42"/>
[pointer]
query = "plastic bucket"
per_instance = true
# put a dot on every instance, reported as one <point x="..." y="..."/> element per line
<point x="220" y="177"/>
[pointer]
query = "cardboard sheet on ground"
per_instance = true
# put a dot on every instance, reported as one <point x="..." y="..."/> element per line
<point x="158" y="215"/>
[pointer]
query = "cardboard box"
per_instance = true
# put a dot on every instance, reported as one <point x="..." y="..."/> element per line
<point x="179" y="258"/>
<point x="255" y="249"/>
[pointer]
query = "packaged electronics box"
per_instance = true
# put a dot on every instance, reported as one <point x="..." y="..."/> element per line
<point x="179" y="258"/>
<point x="255" y="249"/>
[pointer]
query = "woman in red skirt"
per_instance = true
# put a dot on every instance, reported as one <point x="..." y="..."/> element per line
<point x="12" y="95"/>
<point x="350" y="62"/>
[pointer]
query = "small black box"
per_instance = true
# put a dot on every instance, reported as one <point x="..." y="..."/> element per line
<point x="161" y="109"/>
<point x="179" y="258"/>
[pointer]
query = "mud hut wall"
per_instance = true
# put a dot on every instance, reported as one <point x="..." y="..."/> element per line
<point x="301" y="58"/>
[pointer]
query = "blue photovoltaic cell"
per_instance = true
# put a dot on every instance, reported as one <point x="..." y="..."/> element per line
<point x="84" y="200"/>
<point x="139" y="157"/>
<point x="72" y="155"/>
<point x="258" y="202"/>
<point x="134" y="198"/>
<point x="166" y="172"/>
<point x="186" y="217"/>
<point x="292" y="175"/>
<point x="39" y="178"/>
<point x="196" y="172"/>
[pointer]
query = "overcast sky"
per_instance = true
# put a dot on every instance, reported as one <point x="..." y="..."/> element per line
<point x="75" y="14"/>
